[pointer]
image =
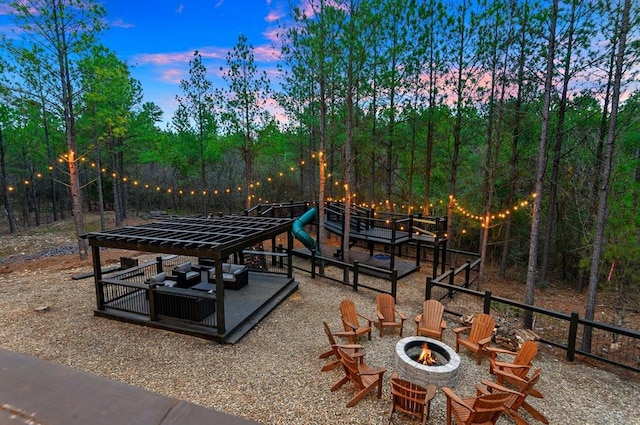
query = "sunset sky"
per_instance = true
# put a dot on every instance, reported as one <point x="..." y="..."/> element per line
<point x="159" y="38"/>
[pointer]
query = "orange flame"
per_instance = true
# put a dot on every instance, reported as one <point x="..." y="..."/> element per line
<point x="426" y="358"/>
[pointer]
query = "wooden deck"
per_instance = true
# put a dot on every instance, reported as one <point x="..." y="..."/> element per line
<point x="244" y="308"/>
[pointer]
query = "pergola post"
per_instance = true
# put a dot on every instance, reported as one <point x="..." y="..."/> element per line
<point x="219" y="297"/>
<point x="97" y="275"/>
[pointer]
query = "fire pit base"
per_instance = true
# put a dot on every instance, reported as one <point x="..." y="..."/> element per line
<point x="423" y="375"/>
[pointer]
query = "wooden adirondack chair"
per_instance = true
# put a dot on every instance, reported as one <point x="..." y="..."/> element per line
<point x="410" y="398"/>
<point x="386" y="312"/>
<point x="363" y="377"/>
<point x="518" y="399"/>
<point x="352" y="349"/>
<point x="429" y="323"/>
<point x="483" y="409"/>
<point x="479" y="336"/>
<point x="351" y="321"/>
<point x="521" y="362"/>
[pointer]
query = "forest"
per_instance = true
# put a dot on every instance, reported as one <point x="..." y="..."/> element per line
<point x="517" y="120"/>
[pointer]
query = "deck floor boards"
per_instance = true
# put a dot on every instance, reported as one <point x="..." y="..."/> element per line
<point x="244" y="308"/>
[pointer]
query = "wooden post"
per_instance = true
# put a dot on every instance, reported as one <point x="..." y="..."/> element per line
<point x="97" y="276"/>
<point x="487" y="302"/>
<point x="355" y="275"/>
<point x="219" y="297"/>
<point x="158" y="264"/>
<point x="573" y="333"/>
<point x="394" y="283"/>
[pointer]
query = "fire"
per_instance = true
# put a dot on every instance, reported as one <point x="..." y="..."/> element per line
<point x="426" y="358"/>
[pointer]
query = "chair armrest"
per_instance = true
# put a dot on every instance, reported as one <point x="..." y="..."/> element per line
<point x="401" y="315"/>
<point x="344" y="334"/>
<point x="516" y="380"/>
<point x="368" y="319"/>
<point x="454" y="397"/>
<point x="443" y="325"/>
<point x="349" y="346"/>
<point x="484" y="341"/>
<point x="496" y="350"/>
<point x="493" y="386"/>
<point x="418" y="318"/>
<point x="380" y="316"/>
<point x="376" y="371"/>
<point x="461" y="329"/>
<point x="511" y="365"/>
<point x="349" y="324"/>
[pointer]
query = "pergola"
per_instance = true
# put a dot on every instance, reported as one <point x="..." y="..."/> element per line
<point x="215" y="239"/>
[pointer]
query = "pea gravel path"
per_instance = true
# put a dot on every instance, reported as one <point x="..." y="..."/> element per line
<point x="273" y="374"/>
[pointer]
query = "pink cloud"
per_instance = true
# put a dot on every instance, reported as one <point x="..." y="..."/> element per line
<point x="5" y="9"/>
<point x="272" y="35"/>
<point x="273" y="16"/>
<point x="172" y="76"/>
<point x="178" y="57"/>
<point x="119" y="23"/>
<point x="266" y="53"/>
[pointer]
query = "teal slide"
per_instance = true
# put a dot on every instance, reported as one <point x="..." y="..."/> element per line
<point x="297" y="229"/>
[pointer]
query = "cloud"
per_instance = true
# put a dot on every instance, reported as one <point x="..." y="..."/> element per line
<point x="266" y="53"/>
<point x="119" y="23"/>
<point x="178" y="57"/>
<point x="219" y="3"/>
<point x="5" y="9"/>
<point x="180" y="9"/>
<point x="273" y="16"/>
<point x="272" y="34"/>
<point x="172" y="76"/>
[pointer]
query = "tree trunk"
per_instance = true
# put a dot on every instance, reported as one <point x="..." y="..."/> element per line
<point x="557" y="152"/>
<point x="13" y="228"/>
<point x="601" y="218"/>
<point x="532" y="266"/>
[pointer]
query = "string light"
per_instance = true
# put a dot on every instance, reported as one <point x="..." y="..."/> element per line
<point x="317" y="156"/>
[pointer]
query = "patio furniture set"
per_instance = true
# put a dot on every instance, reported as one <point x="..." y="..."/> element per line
<point x="507" y="395"/>
<point x="171" y="300"/>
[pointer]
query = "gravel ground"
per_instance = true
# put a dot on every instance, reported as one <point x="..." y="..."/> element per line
<point x="273" y="374"/>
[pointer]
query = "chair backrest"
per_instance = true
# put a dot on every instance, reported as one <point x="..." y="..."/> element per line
<point x="350" y="368"/>
<point x="332" y="340"/>
<point x="348" y="313"/>
<point x="386" y="306"/>
<point x="407" y="396"/>
<point x="524" y="356"/>
<point x="482" y="327"/>
<point x="524" y="389"/>
<point x="488" y="408"/>
<point x="432" y="312"/>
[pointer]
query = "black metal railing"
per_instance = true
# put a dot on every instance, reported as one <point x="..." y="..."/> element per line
<point x="609" y="344"/>
<point x="348" y="274"/>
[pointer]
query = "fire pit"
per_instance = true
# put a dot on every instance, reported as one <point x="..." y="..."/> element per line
<point x="442" y="372"/>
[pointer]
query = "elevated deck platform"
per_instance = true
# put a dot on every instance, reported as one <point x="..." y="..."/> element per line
<point x="244" y="309"/>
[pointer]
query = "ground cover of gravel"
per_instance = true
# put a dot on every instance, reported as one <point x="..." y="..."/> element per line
<point x="273" y="374"/>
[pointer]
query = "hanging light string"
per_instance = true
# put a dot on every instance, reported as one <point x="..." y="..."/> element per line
<point x="257" y="185"/>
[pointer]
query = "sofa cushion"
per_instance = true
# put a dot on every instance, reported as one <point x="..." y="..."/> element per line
<point x="158" y="278"/>
<point x="185" y="267"/>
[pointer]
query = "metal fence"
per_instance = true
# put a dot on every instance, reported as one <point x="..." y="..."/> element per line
<point x="609" y="344"/>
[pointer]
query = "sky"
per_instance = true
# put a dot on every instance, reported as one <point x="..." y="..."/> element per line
<point x="158" y="39"/>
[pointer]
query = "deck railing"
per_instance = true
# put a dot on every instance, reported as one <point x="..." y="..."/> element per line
<point x="609" y="344"/>
<point x="127" y="291"/>
<point x="348" y="274"/>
